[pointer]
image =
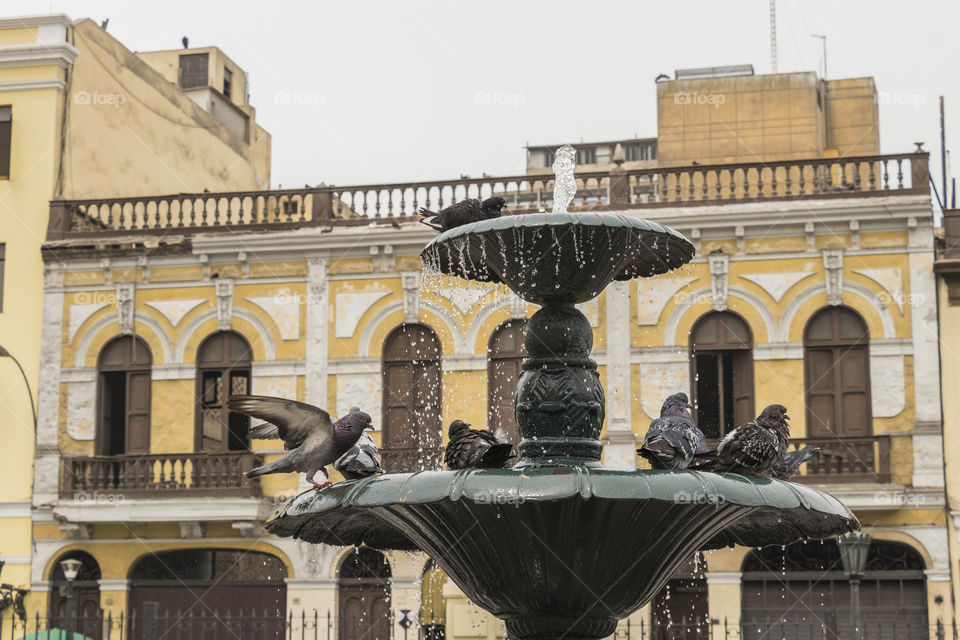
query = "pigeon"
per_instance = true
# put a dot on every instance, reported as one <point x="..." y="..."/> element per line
<point x="673" y="440"/>
<point x="755" y="447"/>
<point x="362" y="461"/>
<point x="786" y="468"/>
<point x="475" y="448"/>
<point x="463" y="212"/>
<point x="306" y="431"/>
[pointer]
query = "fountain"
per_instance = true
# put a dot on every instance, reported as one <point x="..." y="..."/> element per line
<point x="559" y="546"/>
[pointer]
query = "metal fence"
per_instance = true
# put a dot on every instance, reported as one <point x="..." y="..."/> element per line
<point x="317" y="625"/>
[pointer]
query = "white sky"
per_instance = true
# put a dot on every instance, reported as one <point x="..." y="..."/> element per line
<point x="368" y="92"/>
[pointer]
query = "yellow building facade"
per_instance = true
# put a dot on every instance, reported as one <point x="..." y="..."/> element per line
<point x="82" y="115"/>
<point x="334" y="311"/>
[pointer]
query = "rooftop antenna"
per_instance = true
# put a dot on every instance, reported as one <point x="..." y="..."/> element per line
<point x="773" y="36"/>
<point x="823" y="39"/>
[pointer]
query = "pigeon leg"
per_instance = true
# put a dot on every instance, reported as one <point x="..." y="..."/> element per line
<point x="325" y="484"/>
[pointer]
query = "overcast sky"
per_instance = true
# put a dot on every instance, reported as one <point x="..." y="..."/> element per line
<point x="367" y="92"/>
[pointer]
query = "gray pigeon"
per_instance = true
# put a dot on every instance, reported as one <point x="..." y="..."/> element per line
<point x="673" y="441"/>
<point x="306" y="431"/>
<point x="475" y="448"/>
<point x="786" y="468"/>
<point x="463" y="212"/>
<point x="756" y="447"/>
<point x="361" y="461"/>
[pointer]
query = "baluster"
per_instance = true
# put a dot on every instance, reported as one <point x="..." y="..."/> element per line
<point x="691" y="174"/>
<point x="677" y="186"/>
<point x="787" y="171"/>
<point x="885" y="168"/>
<point x="900" y="175"/>
<point x="717" y="185"/>
<point x="773" y="181"/>
<point x="760" y="182"/>
<point x="733" y="183"/>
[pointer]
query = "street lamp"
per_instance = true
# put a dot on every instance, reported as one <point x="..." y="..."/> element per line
<point x="405" y="621"/>
<point x="6" y="354"/>
<point x="853" y="553"/>
<point x="71" y="567"/>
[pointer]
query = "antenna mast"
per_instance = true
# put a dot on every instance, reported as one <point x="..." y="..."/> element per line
<point x="773" y="36"/>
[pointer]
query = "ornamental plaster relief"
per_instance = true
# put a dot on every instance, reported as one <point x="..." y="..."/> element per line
<point x="174" y="310"/>
<point x="284" y="311"/>
<point x="654" y="294"/>
<point x="80" y="313"/>
<point x="350" y="308"/>
<point x="776" y="284"/>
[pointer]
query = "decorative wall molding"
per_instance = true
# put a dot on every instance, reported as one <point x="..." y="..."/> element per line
<point x="776" y="284"/>
<point x="833" y="268"/>
<point x="410" y="281"/>
<point x="125" y="308"/>
<point x="284" y="311"/>
<point x="80" y="313"/>
<point x="890" y="278"/>
<point x="224" y="289"/>
<point x="719" y="279"/>
<point x="653" y="294"/>
<point x="174" y="310"/>
<point x="350" y="308"/>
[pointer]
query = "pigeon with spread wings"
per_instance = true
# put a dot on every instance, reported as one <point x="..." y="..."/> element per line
<point x="312" y="439"/>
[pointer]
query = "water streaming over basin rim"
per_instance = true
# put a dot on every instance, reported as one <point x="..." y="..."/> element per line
<point x="759" y="511"/>
<point x="558" y="256"/>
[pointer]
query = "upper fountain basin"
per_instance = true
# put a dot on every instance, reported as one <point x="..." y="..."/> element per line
<point x="558" y="257"/>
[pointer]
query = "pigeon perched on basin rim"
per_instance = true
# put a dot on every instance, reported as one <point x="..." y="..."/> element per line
<point x="463" y="212"/>
<point x="756" y="447"/>
<point x="475" y="448"/>
<point x="673" y="440"/>
<point x="362" y="461"/>
<point x="312" y="440"/>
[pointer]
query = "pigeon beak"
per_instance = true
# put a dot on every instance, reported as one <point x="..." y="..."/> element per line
<point x="467" y="424"/>
<point x="505" y="211"/>
<point x="786" y="417"/>
<point x="369" y="426"/>
<point x="688" y="406"/>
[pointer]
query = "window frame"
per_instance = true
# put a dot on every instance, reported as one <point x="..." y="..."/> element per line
<point x="6" y="141"/>
<point x="225" y="369"/>
<point x="195" y="76"/>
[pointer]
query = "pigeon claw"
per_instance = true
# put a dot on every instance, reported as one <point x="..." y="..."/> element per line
<point x="322" y="486"/>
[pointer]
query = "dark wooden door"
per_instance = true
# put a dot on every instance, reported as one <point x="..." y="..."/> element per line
<point x="505" y="355"/>
<point x="123" y="399"/>
<point x="837" y="374"/>
<point x="86" y="596"/>
<point x="412" y="396"/>
<point x="364" y="594"/>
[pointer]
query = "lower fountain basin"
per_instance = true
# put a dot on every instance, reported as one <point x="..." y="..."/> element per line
<point x="548" y="257"/>
<point x="561" y="551"/>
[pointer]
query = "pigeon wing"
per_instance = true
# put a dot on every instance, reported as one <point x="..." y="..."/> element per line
<point x="750" y="447"/>
<point x="295" y="421"/>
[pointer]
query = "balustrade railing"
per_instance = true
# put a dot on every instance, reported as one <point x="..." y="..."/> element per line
<point x="846" y="459"/>
<point x="96" y="478"/>
<point x="380" y="203"/>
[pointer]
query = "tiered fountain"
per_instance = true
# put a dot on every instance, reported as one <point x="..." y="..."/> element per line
<point x="559" y="546"/>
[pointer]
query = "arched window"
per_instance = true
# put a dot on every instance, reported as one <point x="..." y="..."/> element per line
<point x="86" y="595"/>
<point x="505" y="354"/>
<point x="836" y="355"/>
<point x="800" y="591"/>
<point x="165" y="587"/>
<point x="123" y="398"/>
<point x="721" y="358"/>
<point x="223" y="370"/>
<point x="412" y="393"/>
<point x="364" y="585"/>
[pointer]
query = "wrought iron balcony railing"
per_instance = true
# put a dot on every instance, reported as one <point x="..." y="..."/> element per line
<point x="159" y="475"/>
<point x="241" y="211"/>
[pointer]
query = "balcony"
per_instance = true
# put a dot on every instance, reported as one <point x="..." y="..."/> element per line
<point x="846" y="459"/>
<point x="183" y="475"/>
<point x="185" y="214"/>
